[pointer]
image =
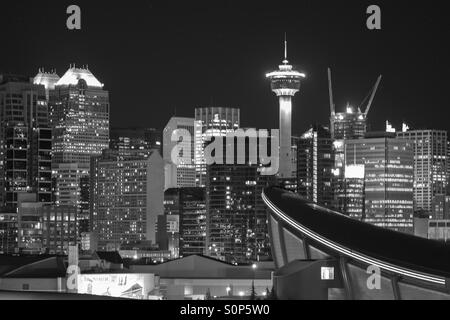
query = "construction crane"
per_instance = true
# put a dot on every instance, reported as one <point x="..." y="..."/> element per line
<point x="330" y="90"/>
<point x="374" y="91"/>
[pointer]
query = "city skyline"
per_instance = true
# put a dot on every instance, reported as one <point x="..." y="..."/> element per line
<point x="224" y="151"/>
<point x="212" y="62"/>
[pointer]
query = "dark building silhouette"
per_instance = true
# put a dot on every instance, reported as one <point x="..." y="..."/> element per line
<point x="315" y="163"/>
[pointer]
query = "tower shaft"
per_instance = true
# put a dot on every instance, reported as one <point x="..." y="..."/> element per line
<point x="285" y="169"/>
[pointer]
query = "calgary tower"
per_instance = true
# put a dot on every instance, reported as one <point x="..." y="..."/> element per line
<point x="285" y="82"/>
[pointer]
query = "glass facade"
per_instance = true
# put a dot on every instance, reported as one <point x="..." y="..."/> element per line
<point x="237" y="220"/>
<point x="190" y="205"/>
<point x="387" y="173"/>
<point x="211" y="122"/>
<point x="430" y="166"/>
<point x="25" y="140"/>
<point x="121" y="191"/>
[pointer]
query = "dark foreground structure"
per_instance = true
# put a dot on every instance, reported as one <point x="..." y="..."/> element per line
<point x="322" y="254"/>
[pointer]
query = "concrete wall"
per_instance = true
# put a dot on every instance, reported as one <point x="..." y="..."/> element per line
<point x="18" y="284"/>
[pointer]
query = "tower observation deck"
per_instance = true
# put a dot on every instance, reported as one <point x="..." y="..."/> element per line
<point x="285" y="83"/>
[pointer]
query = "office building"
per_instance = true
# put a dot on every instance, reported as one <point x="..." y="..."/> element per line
<point x="126" y="197"/>
<point x="8" y="231"/>
<point x="387" y="165"/>
<point x="350" y="124"/>
<point x="441" y="207"/>
<point x="211" y="122"/>
<point x="25" y="138"/>
<point x="315" y="163"/>
<point x="59" y="228"/>
<point x="430" y="165"/>
<point x="72" y="188"/>
<point x="236" y="215"/>
<point x="168" y="234"/>
<point x="189" y="204"/>
<point x="44" y="228"/>
<point x="182" y="174"/>
<point x="354" y="188"/>
<point x="29" y="224"/>
<point x="79" y="115"/>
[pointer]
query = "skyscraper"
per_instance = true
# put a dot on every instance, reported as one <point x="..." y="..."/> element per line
<point x="126" y="197"/>
<point x="285" y="83"/>
<point x="430" y="165"/>
<point x="25" y="138"/>
<point x="211" y="122"/>
<point x="190" y="205"/>
<point x="79" y="114"/>
<point x="315" y="163"/>
<point x="237" y="219"/>
<point x="182" y="174"/>
<point x="236" y="215"/>
<point x="386" y="163"/>
<point x="350" y="124"/>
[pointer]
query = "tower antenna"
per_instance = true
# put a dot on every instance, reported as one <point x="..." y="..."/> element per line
<point x="285" y="49"/>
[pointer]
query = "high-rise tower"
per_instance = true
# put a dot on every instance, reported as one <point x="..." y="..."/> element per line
<point x="285" y="83"/>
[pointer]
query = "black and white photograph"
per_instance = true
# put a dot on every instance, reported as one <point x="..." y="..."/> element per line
<point x="224" y="156"/>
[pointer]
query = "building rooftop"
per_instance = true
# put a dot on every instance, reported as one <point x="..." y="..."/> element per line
<point x="47" y="79"/>
<point x="202" y="267"/>
<point x="110" y="256"/>
<point x="73" y="75"/>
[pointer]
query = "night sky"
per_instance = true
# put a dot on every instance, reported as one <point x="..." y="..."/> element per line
<point x="161" y="57"/>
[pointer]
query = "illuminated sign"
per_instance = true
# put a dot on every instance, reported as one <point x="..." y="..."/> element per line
<point x="121" y="285"/>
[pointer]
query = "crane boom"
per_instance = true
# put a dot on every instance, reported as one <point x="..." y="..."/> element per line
<point x="330" y="90"/>
<point x="373" y="95"/>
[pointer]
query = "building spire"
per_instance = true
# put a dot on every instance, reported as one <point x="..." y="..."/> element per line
<point x="285" y="61"/>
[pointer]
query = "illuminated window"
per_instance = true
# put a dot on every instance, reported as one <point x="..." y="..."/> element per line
<point x="327" y="273"/>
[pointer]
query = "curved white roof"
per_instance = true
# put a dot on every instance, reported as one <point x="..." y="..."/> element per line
<point x="72" y="76"/>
